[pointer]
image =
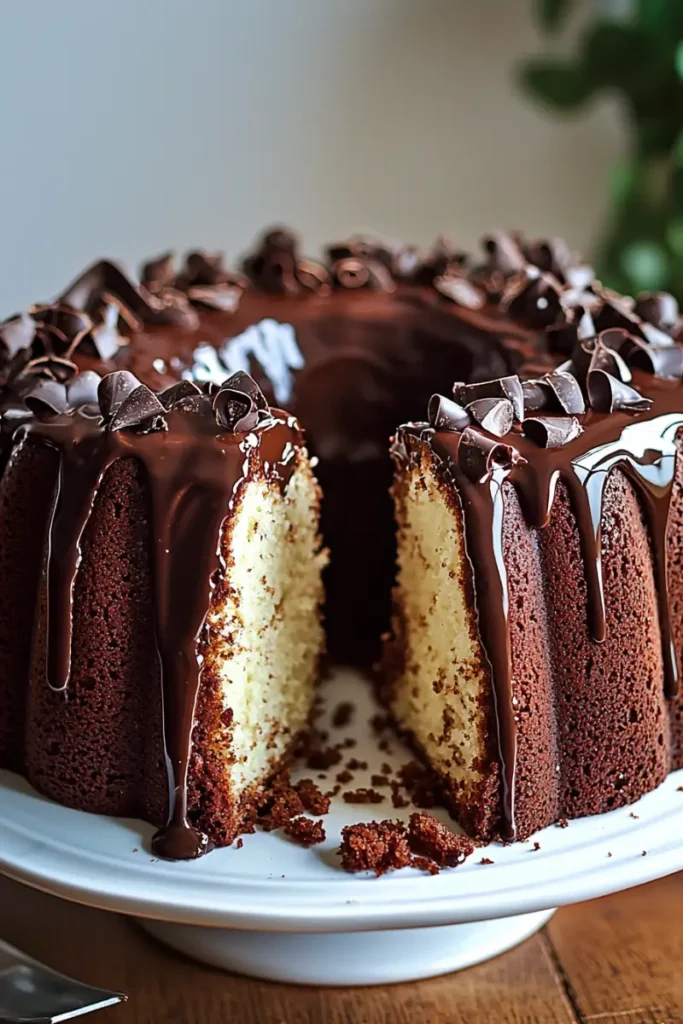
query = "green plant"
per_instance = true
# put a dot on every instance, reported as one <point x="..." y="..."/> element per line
<point x="638" y="56"/>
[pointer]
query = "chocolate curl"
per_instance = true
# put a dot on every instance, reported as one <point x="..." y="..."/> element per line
<point x="140" y="409"/>
<point x="534" y="299"/>
<point x="443" y="259"/>
<point x="566" y="391"/>
<point x="551" y="431"/>
<point x="83" y="389"/>
<point x="659" y="309"/>
<point x="352" y="272"/>
<point x="461" y="291"/>
<point x="444" y="414"/>
<point x="16" y="333"/>
<point x="276" y="267"/>
<point x="182" y="390"/>
<point x="505" y="253"/>
<point x="501" y="387"/>
<point x="537" y="395"/>
<point x="47" y="398"/>
<point x="114" y="389"/>
<point x="50" y="368"/>
<point x="158" y="273"/>
<point x="105" y="336"/>
<point x="479" y="455"/>
<point x="607" y="393"/>
<point x="495" y="415"/>
<point x="606" y="354"/>
<point x="663" y="360"/>
<point x="240" y="404"/>
<point x="555" y="257"/>
<point x="64" y="322"/>
<point x="222" y="297"/>
<point x="104" y="282"/>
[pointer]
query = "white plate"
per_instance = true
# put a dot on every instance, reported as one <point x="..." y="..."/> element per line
<point x="274" y="885"/>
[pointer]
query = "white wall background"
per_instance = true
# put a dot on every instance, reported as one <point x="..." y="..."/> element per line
<point x="130" y="126"/>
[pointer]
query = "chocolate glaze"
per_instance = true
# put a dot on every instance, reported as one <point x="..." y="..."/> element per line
<point x="640" y="444"/>
<point x="194" y="471"/>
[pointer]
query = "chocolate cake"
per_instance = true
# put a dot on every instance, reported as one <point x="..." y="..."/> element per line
<point x="535" y="658"/>
<point x="166" y="545"/>
<point x="153" y="605"/>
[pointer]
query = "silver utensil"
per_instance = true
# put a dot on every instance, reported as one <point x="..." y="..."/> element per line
<point x="31" y="993"/>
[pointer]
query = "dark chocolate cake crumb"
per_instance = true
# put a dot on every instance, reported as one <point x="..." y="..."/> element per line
<point x="344" y="776"/>
<point x="385" y="747"/>
<point x="397" y="798"/>
<point x="335" y="791"/>
<point x="379" y="780"/>
<point x="563" y="823"/>
<point x="240" y="843"/>
<point x="486" y="860"/>
<point x="342" y="715"/>
<point x="425" y="864"/>
<point x="363" y="796"/>
<point x="632" y="815"/>
<point x="349" y="743"/>
<point x="428" y="837"/>
<point x="379" y="846"/>
<point x="305" y="832"/>
<point x="536" y="847"/>
<point x="323" y="758"/>
<point x="354" y="765"/>
<point x="386" y="768"/>
<point x="380" y="722"/>
<point x="314" y="801"/>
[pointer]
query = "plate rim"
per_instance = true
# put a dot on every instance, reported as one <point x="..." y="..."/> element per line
<point x="352" y="903"/>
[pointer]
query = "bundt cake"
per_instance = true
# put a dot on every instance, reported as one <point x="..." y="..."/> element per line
<point x="535" y="655"/>
<point x="166" y="545"/>
<point x="159" y="551"/>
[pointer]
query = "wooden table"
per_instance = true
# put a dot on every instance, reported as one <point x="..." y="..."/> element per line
<point x="618" y="960"/>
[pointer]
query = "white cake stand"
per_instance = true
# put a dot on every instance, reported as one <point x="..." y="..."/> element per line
<point x="275" y="910"/>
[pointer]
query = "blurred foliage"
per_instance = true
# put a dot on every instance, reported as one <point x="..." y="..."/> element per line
<point x="633" y="50"/>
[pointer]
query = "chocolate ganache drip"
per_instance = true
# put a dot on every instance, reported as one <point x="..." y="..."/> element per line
<point x="600" y="412"/>
<point x="197" y="446"/>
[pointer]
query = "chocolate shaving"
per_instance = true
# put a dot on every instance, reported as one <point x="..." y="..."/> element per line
<point x="276" y="267"/>
<point x="105" y="282"/>
<point x="663" y="360"/>
<point x="83" y="389"/>
<point x="551" y="431"/>
<point x="461" y="291"/>
<point x="222" y="297"/>
<point x="659" y="309"/>
<point x="178" y="392"/>
<point x="606" y="354"/>
<point x="609" y="394"/>
<point x="239" y="404"/>
<point x="114" y="389"/>
<point x="502" y="387"/>
<point x="47" y="398"/>
<point x="48" y="368"/>
<point x="16" y="333"/>
<point x="140" y="409"/>
<point x="537" y="395"/>
<point x="445" y="414"/>
<point x="495" y="415"/>
<point x="158" y="273"/>
<point x="505" y="253"/>
<point x="479" y="455"/>
<point x="534" y="299"/>
<point x="567" y="392"/>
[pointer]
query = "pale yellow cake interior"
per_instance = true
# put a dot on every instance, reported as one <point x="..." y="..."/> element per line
<point x="439" y="695"/>
<point x="270" y="622"/>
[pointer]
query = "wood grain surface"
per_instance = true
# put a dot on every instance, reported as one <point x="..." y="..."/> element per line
<point x="617" y="960"/>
